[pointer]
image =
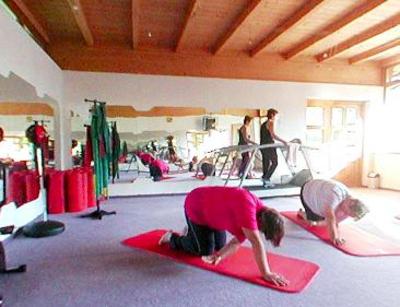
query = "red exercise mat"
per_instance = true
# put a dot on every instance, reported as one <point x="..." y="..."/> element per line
<point x="358" y="241"/>
<point x="55" y="192"/>
<point x="241" y="265"/>
<point x="166" y="178"/>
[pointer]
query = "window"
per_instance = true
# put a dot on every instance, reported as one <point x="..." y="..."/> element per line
<point x="388" y="121"/>
<point x="335" y="127"/>
<point x="315" y="125"/>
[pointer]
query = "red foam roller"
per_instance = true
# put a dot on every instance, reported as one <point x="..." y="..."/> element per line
<point x="55" y="192"/>
<point x="91" y="197"/>
<point x="32" y="186"/>
<point x="75" y="189"/>
<point x="16" y="188"/>
<point x="84" y="186"/>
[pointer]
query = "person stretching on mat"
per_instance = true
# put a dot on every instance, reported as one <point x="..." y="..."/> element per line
<point x="269" y="155"/>
<point x="210" y="211"/>
<point x="158" y="168"/>
<point x="328" y="202"/>
<point x="206" y="165"/>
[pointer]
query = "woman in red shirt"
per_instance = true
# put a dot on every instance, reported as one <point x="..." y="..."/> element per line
<point x="210" y="211"/>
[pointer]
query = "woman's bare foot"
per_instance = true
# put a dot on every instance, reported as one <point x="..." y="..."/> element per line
<point x="302" y="215"/>
<point x="165" y="238"/>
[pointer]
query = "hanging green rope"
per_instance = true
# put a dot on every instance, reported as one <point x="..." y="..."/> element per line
<point x="116" y="150"/>
<point x="101" y="147"/>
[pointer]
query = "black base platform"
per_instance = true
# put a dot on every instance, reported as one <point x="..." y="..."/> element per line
<point x="43" y="229"/>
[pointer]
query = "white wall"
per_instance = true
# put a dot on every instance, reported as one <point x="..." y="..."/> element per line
<point x="388" y="166"/>
<point x="21" y="56"/>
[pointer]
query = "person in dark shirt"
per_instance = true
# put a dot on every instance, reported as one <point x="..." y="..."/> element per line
<point x="269" y="155"/>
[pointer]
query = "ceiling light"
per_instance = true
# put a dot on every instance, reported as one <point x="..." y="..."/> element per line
<point x="325" y="55"/>
<point x="149" y="34"/>
<point x="75" y="7"/>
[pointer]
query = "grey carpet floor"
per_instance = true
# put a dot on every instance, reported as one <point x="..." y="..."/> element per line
<point x="87" y="266"/>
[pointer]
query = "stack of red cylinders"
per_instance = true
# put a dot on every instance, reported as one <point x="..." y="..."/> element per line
<point x="55" y="192"/>
<point x="75" y="189"/>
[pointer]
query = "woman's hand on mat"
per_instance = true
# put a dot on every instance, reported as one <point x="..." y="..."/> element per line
<point x="338" y="241"/>
<point x="277" y="279"/>
<point x="212" y="259"/>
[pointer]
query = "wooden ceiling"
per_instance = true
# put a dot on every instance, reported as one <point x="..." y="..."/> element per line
<point x="352" y="32"/>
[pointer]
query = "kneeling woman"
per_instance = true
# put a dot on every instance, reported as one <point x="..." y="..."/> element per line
<point x="158" y="169"/>
<point x="210" y="211"/>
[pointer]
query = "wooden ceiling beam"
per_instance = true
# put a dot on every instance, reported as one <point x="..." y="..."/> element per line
<point x="285" y="25"/>
<point x="224" y="38"/>
<point x="188" y="15"/>
<point x="374" y="51"/>
<point x="70" y="56"/>
<point x="80" y="19"/>
<point x="343" y="21"/>
<point x="391" y="61"/>
<point x="359" y="38"/>
<point x="135" y="24"/>
<point x="29" y="19"/>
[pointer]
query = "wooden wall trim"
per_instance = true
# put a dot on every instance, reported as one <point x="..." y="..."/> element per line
<point x="240" y="112"/>
<point x="202" y="64"/>
<point x="28" y="108"/>
<point x="129" y="111"/>
<point x="114" y="111"/>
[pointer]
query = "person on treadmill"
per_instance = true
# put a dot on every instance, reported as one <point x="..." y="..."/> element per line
<point x="269" y="155"/>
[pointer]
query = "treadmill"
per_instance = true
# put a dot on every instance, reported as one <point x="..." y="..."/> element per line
<point x="291" y="186"/>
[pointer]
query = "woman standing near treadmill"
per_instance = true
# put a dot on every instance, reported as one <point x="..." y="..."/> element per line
<point x="244" y="139"/>
<point x="269" y="155"/>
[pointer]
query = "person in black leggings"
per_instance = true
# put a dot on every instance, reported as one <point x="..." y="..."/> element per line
<point x="269" y="155"/>
<point x="244" y="139"/>
<point x="211" y="211"/>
